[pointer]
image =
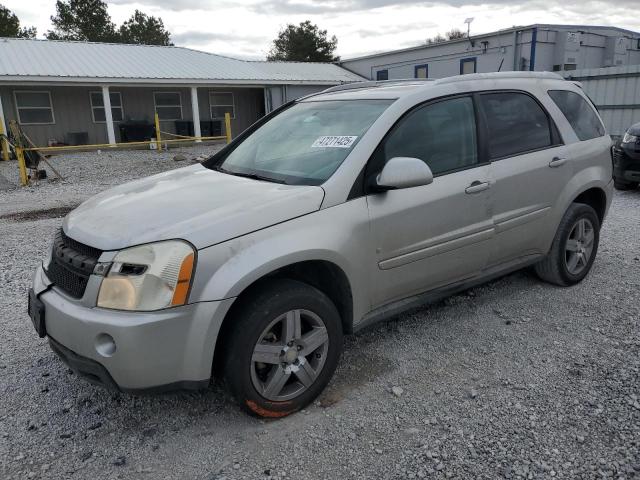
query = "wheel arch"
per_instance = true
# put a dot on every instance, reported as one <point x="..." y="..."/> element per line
<point x="596" y="198"/>
<point x="324" y="275"/>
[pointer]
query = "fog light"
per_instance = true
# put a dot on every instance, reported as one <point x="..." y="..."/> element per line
<point x="105" y="345"/>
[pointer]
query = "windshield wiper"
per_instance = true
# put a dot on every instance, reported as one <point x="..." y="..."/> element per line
<point x="253" y="176"/>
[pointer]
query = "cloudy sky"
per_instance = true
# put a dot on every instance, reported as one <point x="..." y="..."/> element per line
<point x="245" y="28"/>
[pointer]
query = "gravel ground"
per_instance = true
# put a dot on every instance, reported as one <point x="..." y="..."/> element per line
<point x="515" y="379"/>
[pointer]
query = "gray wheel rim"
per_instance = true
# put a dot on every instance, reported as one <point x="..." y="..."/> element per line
<point x="289" y="355"/>
<point x="579" y="247"/>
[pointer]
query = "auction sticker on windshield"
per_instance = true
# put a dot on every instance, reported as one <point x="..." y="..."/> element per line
<point x="334" y="141"/>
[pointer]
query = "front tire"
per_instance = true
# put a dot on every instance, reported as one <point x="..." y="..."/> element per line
<point x="574" y="247"/>
<point x="283" y="348"/>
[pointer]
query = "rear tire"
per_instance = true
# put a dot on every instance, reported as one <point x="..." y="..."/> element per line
<point x="574" y="247"/>
<point x="283" y="348"/>
<point x="623" y="186"/>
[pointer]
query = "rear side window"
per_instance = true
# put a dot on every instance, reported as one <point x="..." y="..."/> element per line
<point x="579" y="114"/>
<point x="516" y="124"/>
<point x="442" y="134"/>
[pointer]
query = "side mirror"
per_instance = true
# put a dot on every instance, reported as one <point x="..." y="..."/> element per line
<point x="403" y="172"/>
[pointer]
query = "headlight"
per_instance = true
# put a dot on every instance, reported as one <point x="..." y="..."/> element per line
<point x="629" y="138"/>
<point x="149" y="277"/>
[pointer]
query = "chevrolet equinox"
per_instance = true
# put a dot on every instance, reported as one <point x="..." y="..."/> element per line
<point x="330" y="213"/>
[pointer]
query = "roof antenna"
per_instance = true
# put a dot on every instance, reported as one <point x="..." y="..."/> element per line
<point x="468" y="22"/>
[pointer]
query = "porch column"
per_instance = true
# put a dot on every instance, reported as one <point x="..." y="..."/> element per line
<point x="196" y="112"/>
<point x="3" y="130"/>
<point x="106" y="101"/>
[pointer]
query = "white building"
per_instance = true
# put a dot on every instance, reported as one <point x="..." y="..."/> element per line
<point x="81" y="92"/>
<point x="536" y="47"/>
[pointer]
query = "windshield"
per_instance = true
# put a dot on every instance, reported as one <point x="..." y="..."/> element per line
<point x="305" y="143"/>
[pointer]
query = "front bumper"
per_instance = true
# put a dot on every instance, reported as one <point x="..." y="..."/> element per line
<point x="626" y="166"/>
<point x="171" y="348"/>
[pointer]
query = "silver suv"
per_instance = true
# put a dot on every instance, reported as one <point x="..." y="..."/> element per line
<point x="333" y="212"/>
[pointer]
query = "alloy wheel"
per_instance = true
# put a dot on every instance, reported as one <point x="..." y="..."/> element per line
<point x="579" y="246"/>
<point x="289" y="355"/>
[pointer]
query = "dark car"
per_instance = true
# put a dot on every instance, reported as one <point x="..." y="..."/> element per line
<point x="626" y="160"/>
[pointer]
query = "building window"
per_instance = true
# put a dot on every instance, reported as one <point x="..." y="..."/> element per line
<point x="221" y="103"/>
<point x="97" y="107"/>
<point x="168" y="105"/>
<point x="34" y="108"/>
<point x="569" y="66"/>
<point x="382" y="75"/>
<point x="467" y="65"/>
<point x="421" y="71"/>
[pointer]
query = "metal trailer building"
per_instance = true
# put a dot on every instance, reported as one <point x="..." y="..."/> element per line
<point x="616" y="93"/>
<point x="81" y="92"/>
<point x="535" y="47"/>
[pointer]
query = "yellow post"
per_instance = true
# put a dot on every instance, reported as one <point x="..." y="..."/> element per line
<point x="24" y="180"/>
<point x="5" y="145"/>
<point x="158" y="138"/>
<point x="227" y="126"/>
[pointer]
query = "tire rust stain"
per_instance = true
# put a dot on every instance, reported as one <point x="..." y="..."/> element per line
<point x="263" y="412"/>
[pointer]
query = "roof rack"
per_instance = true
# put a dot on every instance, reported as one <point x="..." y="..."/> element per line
<point x="498" y="75"/>
<point x="424" y="81"/>
<point x="377" y="83"/>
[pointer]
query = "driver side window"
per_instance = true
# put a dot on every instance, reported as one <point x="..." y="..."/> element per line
<point x="442" y="134"/>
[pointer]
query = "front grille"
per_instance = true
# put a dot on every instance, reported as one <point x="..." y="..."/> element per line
<point x="618" y="156"/>
<point x="81" y="248"/>
<point x="71" y="264"/>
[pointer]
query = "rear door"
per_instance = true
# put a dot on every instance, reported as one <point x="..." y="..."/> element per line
<point x="432" y="235"/>
<point x="530" y="168"/>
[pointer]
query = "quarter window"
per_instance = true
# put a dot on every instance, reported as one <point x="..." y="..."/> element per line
<point x="221" y="103"/>
<point x="168" y="105"/>
<point x="516" y="124"/>
<point x="34" y="107"/>
<point x="579" y="114"/>
<point x="97" y="107"/>
<point x="442" y="134"/>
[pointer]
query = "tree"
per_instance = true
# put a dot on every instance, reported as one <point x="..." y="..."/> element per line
<point x="89" y="21"/>
<point x="10" y="25"/>
<point x="303" y="43"/>
<point x="145" y="30"/>
<point x="452" y="34"/>
<point x="437" y="39"/>
<point x="84" y="20"/>
<point x="455" y="33"/>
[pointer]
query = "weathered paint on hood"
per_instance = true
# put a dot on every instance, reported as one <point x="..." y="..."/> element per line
<point x="193" y="203"/>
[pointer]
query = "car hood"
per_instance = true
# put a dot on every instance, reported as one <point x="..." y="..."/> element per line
<point x="193" y="203"/>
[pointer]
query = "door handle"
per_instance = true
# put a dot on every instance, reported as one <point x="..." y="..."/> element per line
<point x="557" y="162"/>
<point x="477" y="187"/>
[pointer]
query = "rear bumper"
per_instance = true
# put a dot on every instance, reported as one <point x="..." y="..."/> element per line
<point x="154" y="351"/>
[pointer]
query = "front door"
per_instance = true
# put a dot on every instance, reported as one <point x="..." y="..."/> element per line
<point x="432" y="235"/>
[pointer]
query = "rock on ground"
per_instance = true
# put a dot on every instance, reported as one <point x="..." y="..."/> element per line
<point x="6" y="184"/>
